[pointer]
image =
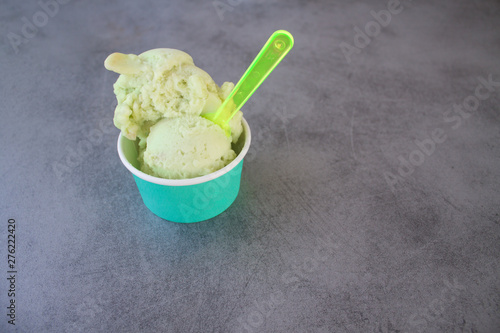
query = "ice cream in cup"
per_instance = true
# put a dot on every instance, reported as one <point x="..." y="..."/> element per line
<point x="182" y="136"/>
<point x="186" y="167"/>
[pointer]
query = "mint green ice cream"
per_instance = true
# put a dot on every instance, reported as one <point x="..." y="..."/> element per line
<point x="161" y="96"/>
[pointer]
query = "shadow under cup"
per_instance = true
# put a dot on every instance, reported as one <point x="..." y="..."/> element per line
<point x="188" y="200"/>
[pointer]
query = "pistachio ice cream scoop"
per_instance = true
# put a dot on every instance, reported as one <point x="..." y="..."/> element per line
<point x="186" y="147"/>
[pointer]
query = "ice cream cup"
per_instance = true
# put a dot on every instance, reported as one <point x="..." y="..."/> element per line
<point x="188" y="200"/>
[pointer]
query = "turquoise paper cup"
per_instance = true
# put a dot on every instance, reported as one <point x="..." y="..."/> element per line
<point x="188" y="200"/>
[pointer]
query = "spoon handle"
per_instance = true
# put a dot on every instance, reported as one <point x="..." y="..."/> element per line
<point x="268" y="58"/>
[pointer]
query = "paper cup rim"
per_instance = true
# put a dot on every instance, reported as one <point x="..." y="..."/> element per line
<point x="189" y="181"/>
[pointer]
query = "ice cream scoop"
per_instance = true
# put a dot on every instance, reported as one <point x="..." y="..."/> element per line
<point x="160" y="83"/>
<point x="186" y="147"/>
<point x="278" y="45"/>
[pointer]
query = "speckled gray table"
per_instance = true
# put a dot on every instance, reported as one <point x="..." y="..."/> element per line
<point x="369" y="199"/>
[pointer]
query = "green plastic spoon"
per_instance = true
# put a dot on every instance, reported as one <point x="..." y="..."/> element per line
<point x="268" y="58"/>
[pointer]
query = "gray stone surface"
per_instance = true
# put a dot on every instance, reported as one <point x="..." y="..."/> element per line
<point x="318" y="239"/>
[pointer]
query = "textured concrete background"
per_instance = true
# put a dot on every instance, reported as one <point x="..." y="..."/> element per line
<point x="342" y="224"/>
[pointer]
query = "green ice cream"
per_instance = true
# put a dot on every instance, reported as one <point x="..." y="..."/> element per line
<point x="161" y="96"/>
<point x="186" y="147"/>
